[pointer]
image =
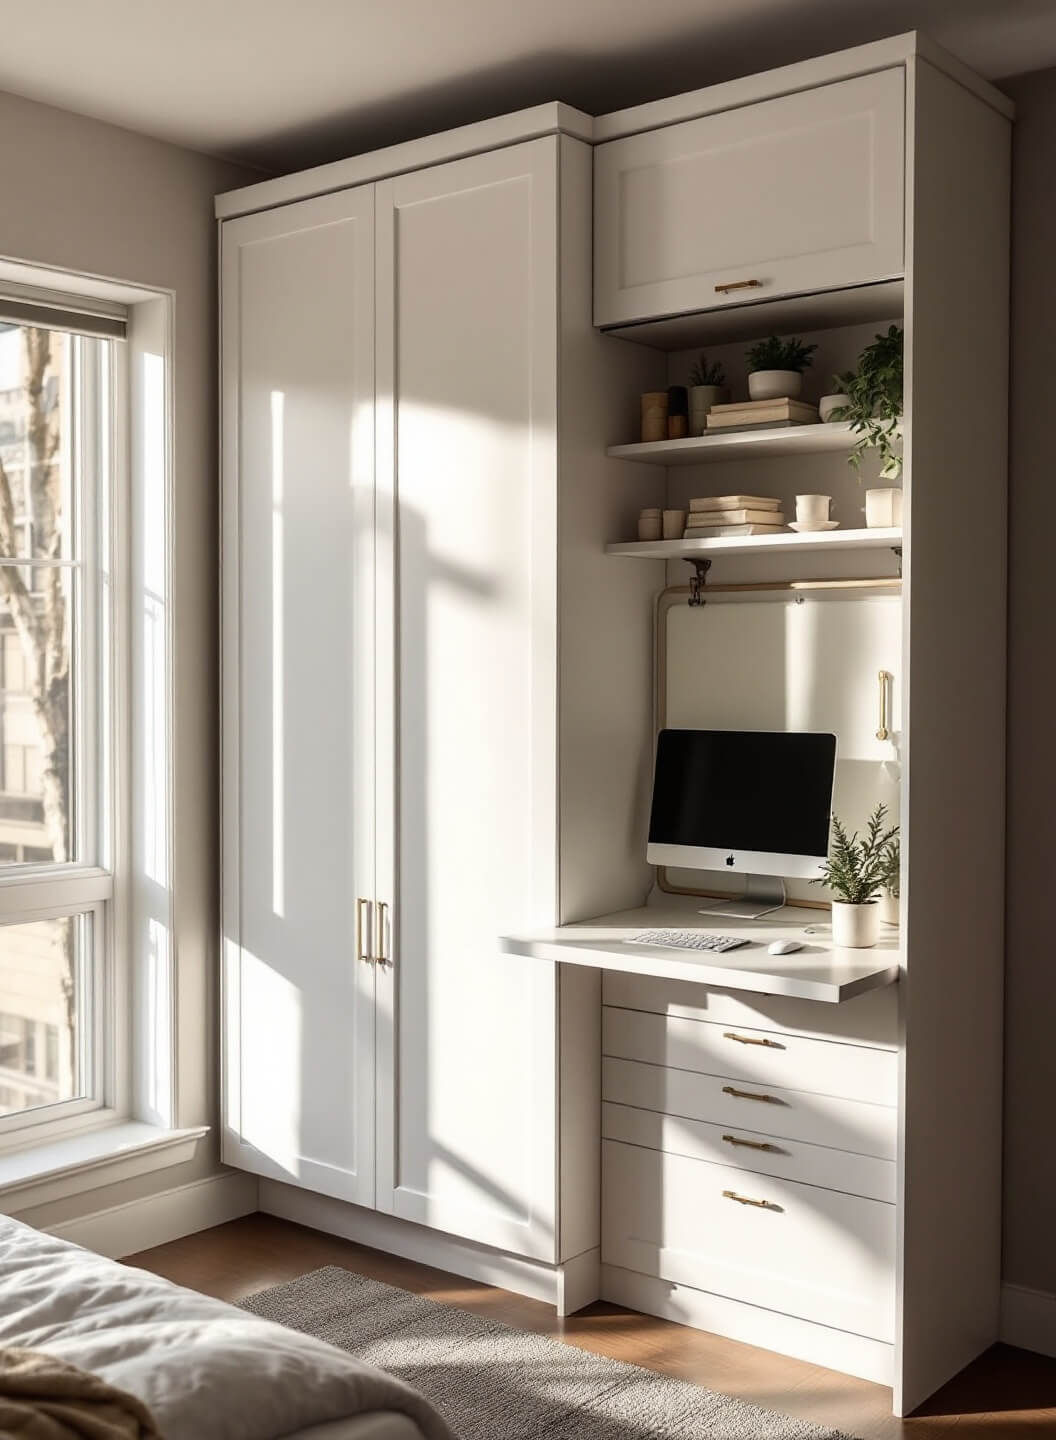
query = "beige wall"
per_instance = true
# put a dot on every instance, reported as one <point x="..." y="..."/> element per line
<point x="1030" y="1054"/>
<point x="90" y="197"/>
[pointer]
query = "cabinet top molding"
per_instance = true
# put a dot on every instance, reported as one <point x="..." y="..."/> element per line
<point x="553" y="118"/>
<point x="805" y="75"/>
<point x="557" y="118"/>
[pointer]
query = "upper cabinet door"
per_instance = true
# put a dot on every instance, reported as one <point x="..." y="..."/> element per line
<point x="790" y="196"/>
<point x="466" y="447"/>
<point x="298" y="722"/>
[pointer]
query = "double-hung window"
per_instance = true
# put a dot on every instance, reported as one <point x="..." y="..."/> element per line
<point x="60" y="830"/>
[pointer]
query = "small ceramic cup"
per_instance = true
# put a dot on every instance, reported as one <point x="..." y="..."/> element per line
<point x="674" y="524"/>
<point x="813" y="510"/>
<point x="654" y="416"/>
<point x="649" y="525"/>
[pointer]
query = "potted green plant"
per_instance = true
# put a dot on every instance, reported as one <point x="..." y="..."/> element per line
<point x="775" y="368"/>
<point x="892" y="882"/>
<point x="831" y="406"/>
<point x="707" y="387"/>
<point x="855" y="873"/>
<point x="873" y="406"/>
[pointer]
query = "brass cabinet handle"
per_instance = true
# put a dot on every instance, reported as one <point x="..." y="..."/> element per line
<point x="883" y="733"/>
<point x="361" y="954"/>
<point x="737" y="285"/>
<point x="749" y="1095"/>
<point x="747" y="1200"/>
<point x="382" y="956"/>
<point x="751" y="1144"/>
<point x="752" y="1040"/>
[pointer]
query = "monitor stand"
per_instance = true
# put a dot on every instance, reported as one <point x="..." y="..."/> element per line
<point x="762" y="895"/>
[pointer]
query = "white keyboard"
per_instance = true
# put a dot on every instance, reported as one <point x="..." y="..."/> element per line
<point x="688" y="940"/>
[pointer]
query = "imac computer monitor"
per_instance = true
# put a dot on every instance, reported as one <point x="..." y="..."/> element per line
<point x="750" y="803"/>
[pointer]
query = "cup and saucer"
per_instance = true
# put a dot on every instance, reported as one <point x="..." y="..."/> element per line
<point x="812" y="514"/>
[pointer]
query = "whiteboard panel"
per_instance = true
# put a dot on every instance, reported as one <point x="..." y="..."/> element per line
<point x="804" y="665"/>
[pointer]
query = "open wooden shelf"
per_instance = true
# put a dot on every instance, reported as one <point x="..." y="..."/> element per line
<point x="834" y="437"/>
<point x="806" y="542"/>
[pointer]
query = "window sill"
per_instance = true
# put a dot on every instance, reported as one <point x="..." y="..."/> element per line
<point x="39" y="1174"/>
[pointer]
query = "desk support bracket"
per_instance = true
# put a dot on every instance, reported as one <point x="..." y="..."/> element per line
<point x="696" y="585"/>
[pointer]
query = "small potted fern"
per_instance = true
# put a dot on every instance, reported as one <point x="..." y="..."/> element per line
<point x="707" y="387"/>
<point x="775" y="368"/>
<point x="892" y="883"/>
<point x="855" y="872"/>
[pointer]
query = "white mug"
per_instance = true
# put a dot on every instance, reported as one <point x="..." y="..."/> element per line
<point x="649" y="525"/>
<point x="674" y="524"/>
<point x="813" y="510"/>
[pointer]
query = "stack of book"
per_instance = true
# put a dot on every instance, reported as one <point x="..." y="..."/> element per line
<point x="716" y="515"/>
<point x="749" y="414"/>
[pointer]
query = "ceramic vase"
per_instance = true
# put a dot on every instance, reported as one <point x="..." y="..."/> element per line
<point x="701" y="399"/>
<point x="883" y="508"/>
<point x="775" y="384"/>
<point x="889" y="907"/>
<point x="828" y="404"/>
<point x="855" y="927"/>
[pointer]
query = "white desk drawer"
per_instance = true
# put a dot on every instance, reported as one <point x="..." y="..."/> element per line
<point x="760" y="1057"/>
<point x="745" y="1149"/>
<point x="814" y="1253"/>
<point x="869" y="1019"/>
<point x="773" y="1110"/>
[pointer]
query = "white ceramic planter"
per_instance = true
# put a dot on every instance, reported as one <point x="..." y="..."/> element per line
<point x="828" y="403"/>
<point x="855" y="927"/>
<point x="883" y="508"/>
<point x="701" y="399"/>
<point x="888" y="904"/>
<point x="775" y="384"/>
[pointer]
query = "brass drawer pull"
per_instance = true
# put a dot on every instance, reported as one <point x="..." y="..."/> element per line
<point x="382" y="957"/>
<point x="737" y="285"/>
<point x="749" y="1095"/>
<point x="747" y="1200"/>
<point x="751" y="1144"/>
<point x="752" y="1040"/>
<point x="360" y="952"/>
<point x="883" y="732"/>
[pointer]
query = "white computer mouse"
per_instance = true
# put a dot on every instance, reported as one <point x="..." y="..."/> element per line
<point x="783" y="947"/>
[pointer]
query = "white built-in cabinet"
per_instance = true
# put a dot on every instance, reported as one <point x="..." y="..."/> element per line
<point x="466" y="751"/>
<point x="802" y="193"/>
<point x="438" y="707"/>
<point x="392" y="474"/>
<point x="299" y="688"/>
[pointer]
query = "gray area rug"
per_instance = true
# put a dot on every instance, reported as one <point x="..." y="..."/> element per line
<point x="491" y="1382"/>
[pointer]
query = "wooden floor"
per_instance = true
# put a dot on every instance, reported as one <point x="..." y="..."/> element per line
<point x="1005" y="1393"/>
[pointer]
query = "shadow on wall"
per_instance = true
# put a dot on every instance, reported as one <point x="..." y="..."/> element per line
<point x="1030" y="983"/>
<point x="607" y="72"/>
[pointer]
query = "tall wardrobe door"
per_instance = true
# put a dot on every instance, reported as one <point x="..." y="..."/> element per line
<point x="298" y="725"/>
<point x="467" y="553"/>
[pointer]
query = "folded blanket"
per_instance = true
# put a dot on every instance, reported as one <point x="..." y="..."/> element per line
<point x="202" y="1368"/>
<point x="42" y="1398"/>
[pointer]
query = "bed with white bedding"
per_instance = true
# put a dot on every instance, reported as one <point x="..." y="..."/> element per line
<point x="206" y="1370"/>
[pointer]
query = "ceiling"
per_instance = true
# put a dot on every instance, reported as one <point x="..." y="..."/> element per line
<point x="281" y="84"/>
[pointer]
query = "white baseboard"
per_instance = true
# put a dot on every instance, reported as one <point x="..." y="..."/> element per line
<point x="817" y="1344"/>
<point x="411" y="1241"/>
<point x="579" y="1282"/>
<point x="167" y="1215"/>
<point x="1028" y="1319"/>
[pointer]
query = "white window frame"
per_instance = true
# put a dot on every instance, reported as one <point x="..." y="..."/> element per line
<point x="99" y="662"/>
